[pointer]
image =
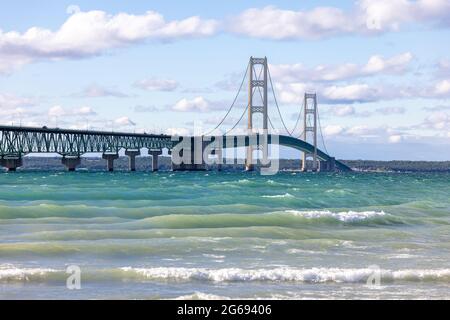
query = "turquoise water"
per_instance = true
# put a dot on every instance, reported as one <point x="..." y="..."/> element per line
<point x="230" y="235"/>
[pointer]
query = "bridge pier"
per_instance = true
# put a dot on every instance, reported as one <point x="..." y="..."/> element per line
<point x="327" y="166"/>
<point x="11" y="163"/>
<point x="110" y="157"/>
<point x="155" y="153"/>
<point x="191" y="165"/>
<point x="132" y="154"/>
<point x="219" y="153"/>
<point x="71" y="163"/>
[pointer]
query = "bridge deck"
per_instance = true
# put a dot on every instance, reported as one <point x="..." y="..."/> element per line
<point x="16" y="141"/>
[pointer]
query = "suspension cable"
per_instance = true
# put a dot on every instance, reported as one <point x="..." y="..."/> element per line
<point x="243" y="113"/>
<point x="232" y="105"/>
<point x="320" y="129"/>
<point x="298" y="119"/>
<point x="276" y="103"/>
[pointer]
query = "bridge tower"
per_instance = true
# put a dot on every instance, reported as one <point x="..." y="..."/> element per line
<point x="257" y="100"/>
<point x="310" y="130"/>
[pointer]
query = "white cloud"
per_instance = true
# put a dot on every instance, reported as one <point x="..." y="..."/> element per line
<point x="396" y="138"/>
<point x="273" y="23"/>
<point x="442" y="87"/>
<point x="366" y="17"/>
<point x="333" y="130"/>
<point x="178" y="132"/>
<point x="391" y="110"/>
<point x="59" y="111"/>
<point x="10" y="101"/>
<point x="351" y="93"/>
<point x="376" y="65"/>
<point x="342" y="111"/>
<point x="56" y="111"/>
<point x="85" y="111"/>
<point x="437" y="121"/>
<point x="199" y="104"/>
<point x="157" y="84"/>
<point x="96" y="91"/>
<point x="124" y="121"/>
<point x="141" y="108"/>
<point x="395" y="64"/>
<point x="91" y="33"/>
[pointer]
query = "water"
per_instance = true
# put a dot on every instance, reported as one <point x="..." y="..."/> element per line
<point x="225" y="235"/>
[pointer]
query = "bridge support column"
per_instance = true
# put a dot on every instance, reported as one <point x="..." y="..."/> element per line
<point x="11" y="163"/>
<point x="71" y="163"/>
<point x="219" y="153"/>
<point x="195" y="161"/>
<point x="155" y="153"/>
<point x="110" y="157"/>
<point x="327" y="166"/>
<point x="132" y="154"/>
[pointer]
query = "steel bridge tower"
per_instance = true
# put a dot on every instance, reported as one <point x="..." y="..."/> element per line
<point x="310" y="130"/>
<point x="257" y="100"/>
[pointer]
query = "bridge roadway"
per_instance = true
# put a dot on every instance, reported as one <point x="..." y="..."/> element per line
<point x="15" y="142"/>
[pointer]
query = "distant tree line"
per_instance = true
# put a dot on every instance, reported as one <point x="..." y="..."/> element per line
<point x="399" y="165"/>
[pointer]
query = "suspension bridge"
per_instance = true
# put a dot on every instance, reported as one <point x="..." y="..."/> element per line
<point x="192" y="152"/>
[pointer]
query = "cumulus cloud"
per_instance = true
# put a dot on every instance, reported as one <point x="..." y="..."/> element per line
<point x="395" y="138"/>
<point x="85" y="111"/>
<point x="375" y="65"/>
<point x="437" y="121"/>
<point x="390" y="110"/>
<point x="59" y="111"/>
<point x="157" y="84"/>
<point x="144" y="109"/>
<point x="178" y="132"/>
<point x="343" y="111"/>
<point x="198" y="104"/>
<point x="56" y="111"/>
<point x="10" y="101"/>
<point x="96" y="91"/>
<point x="124" y="121"/>
<point x="366" y="17"/>
<point x="332" y="130"/>
<point x="91" y="33"/>
<point x="442" y="87"/>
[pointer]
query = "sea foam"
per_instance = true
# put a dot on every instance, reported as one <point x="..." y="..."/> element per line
<point x="286" y="274"/>
<point x="344" y="216"/>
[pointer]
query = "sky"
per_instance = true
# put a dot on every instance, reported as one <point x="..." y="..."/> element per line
<point x="380" y="68"/>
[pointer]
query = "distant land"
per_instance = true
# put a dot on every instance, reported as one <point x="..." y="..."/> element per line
<point x="144" y="164"/>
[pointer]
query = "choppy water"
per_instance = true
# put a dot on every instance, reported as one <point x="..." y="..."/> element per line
<point x="229" y="235"/>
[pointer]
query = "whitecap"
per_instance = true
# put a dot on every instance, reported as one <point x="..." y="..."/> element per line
<point x="286" y="195"/>
<point x="344" y="216"/>
<point x="286" y="274"/>
<point x="12" y="273"/>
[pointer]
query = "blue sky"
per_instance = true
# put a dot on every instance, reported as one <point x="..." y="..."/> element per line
<point x="381" y="69"/>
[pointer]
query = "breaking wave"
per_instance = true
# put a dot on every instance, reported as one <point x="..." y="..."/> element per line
<point x="9" y="273"/>
<point x="344" y="216"/>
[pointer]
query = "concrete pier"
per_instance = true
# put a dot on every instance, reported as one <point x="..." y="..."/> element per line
<point x="110" y="157"/>
<point x="11" y="163"/>
<point x="71" y="163"/>
<point x="327" y="166"/>
<point x="155" y="153"/>
<point x="191" y="166"/>
<point x="132" y="154"/>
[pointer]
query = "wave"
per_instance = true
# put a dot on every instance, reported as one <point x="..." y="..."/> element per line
<point x="10" y="273"/>
<point x="279" y="274"/>
<point x="202" y="296"/>
<point x="285" y="274"/>
<point x="344" y="216"/>
<point x="286" y="195"/>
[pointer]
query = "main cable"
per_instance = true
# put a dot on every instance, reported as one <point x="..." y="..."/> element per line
<point x="232" y="105"/>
